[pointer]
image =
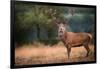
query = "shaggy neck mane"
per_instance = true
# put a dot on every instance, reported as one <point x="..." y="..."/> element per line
<point x="64" y="38"/>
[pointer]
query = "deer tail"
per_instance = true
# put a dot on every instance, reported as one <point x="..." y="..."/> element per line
<point x="90" y="36"/>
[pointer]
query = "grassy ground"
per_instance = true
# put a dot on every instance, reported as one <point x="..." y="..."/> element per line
<point x="31" y="54"/>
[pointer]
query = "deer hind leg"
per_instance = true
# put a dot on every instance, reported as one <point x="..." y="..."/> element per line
<point x="87" y="49"/>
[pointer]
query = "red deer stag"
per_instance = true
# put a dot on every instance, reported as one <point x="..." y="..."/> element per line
<point x="72" y="39"/>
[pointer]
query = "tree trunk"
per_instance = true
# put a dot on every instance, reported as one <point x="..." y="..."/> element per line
<point x="38" y="31"/>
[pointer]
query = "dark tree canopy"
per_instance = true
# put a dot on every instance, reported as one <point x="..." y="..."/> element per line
<point x="38" y="22"/>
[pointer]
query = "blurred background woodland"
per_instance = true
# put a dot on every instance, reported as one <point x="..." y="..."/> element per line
<point x="38" y="22"/>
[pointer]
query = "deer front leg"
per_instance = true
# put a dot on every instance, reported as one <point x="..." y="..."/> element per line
<point x="68" y="50"/>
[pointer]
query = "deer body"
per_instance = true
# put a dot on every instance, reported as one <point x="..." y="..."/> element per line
<point x="71" y="39"/>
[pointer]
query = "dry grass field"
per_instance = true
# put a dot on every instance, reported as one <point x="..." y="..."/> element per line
<point x="31" y="54"/>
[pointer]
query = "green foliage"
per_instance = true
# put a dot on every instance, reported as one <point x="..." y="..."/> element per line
<point x="28" y="15"/>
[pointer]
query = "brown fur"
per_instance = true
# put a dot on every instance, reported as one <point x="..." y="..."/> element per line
<point x="71" y="39"/>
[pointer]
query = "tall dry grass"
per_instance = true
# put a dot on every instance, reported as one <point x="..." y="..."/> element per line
<point x="38" y="53"/>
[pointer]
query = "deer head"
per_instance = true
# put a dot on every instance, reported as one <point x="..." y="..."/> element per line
<point x="61" y="29"/>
